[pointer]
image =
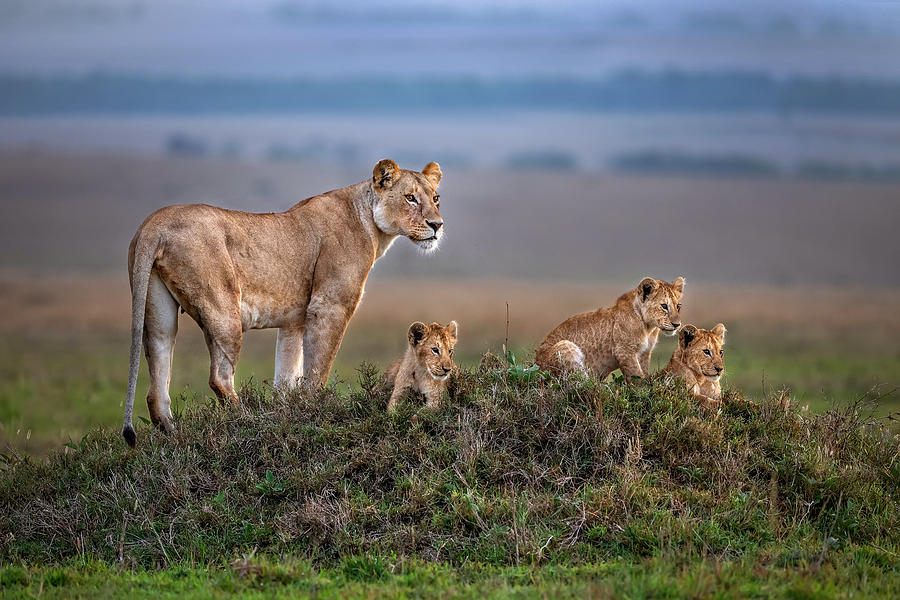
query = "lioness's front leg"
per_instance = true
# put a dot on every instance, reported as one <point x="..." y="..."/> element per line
<point x="289" y="356"/>
<point x="326" y="322"/>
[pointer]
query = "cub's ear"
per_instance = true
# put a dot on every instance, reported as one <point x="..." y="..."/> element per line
<point x="678" y="284"/>
<point x="687" y="335"/>
<point x="433" y="172"/>
<point x="417" y="333"/>
<point x="385" y="174"/>
<point x="452" y="329"/>
<point x="719" y="331"/>
<point x="646" y="287"/>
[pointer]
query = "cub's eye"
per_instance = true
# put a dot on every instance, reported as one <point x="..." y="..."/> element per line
<point x="721" y="353"/>
<point x="678" y="308"/>
<point x="665" y="306"/>
<point x="451" y="352"/>
<point x="436" y="351"/>
<point x="706" y="352"/>
<point x="411" y="199"/>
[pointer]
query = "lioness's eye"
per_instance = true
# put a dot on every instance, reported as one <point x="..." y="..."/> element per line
<point x="411" y="199"/>
<point x="678" y="308"/>
<point x="436" y="351"/>
<point x="665" y="306"/>
<point x="706" y="352"/>
<point x="437" y="199"/>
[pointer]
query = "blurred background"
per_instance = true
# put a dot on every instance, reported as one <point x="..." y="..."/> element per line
<point x="753" y="148"/>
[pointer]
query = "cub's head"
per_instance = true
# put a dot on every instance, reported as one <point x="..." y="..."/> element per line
<point x="407" y="202"/>
<point x="433" y="345"/>
<point x="702" y="350"/>
<point x="659" y="303"/>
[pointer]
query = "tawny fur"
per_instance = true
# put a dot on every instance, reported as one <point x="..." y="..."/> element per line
<point x="301" y="271"/>
<point x="699" y="361"/>
<point x="620" y="337"/>
<point x="427" y="364"/>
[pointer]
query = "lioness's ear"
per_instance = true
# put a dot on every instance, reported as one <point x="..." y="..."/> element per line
<point x="416" y="333"/>
<point x="452" y="329"/>
<point x="646" y="286"/>
<point x="385" y="174"/>
<point x="719" y="331"/>
<point x="433" y="172"/>
<point x="678" y="284"/>
<point x="687" y="335"/>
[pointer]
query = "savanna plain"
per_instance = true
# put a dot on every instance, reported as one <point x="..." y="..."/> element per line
<point x="520" y="486"/>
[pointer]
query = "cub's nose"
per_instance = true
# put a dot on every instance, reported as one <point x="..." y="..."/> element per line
<point x="676" y="325"/>
<point x="435" y="225"/>
<point x="718" y="369"/>
<point x="446" y="369"/>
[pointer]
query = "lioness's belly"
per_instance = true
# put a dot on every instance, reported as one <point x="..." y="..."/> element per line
<point x="258" y="313"/>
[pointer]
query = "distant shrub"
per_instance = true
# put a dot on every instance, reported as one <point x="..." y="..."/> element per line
<point x="554" y="160"/>
<point x="231" y="149"/>
<point x="315" y="150"/>
<point x="183" y="145"/>
<point x="838" y="171"/>
<point x="287" y="152"/>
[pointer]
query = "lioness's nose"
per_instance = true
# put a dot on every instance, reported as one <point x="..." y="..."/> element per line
<point x="435" y="225"/>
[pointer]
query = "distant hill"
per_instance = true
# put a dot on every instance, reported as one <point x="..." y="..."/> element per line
<point x="626" y="91"/>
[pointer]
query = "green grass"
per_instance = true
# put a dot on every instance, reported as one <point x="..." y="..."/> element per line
<point x="520" y="486"/>
<point x="819" y="378"/>
<point x="851" y="573"/>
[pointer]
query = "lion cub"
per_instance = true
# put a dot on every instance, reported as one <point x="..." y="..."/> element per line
<point x="427" y="364"/>
<point x="699" y="361"/>
<point x="619" y="337"/>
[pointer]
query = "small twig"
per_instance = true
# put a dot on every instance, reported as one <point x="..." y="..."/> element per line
<point x="122" y="538"/>
<point x="158" y="539"/>
<point x="540" y="552"/>
<point x="516" y="524"/>
<point x="506" y="340"/>
<point x="541" y="408"/>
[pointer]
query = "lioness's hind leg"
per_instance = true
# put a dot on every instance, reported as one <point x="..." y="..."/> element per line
<point x="160" y="328"/>
<point x="224" y="343"/>
<point x="569" y="357"/>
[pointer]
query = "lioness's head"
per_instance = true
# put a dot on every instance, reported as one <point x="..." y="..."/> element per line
<point x="702" y="350"/>
<point x="659" y="303"/>
<point x="433" y="345"/>
<point x="407" y="202"/>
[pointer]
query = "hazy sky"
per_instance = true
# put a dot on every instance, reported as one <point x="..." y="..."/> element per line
<point x="578" y="37"/>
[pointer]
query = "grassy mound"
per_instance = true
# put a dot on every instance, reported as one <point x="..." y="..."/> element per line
<point x="512" y="471"/>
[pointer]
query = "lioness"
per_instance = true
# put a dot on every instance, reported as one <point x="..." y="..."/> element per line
<point x="619" y="337"/>
<point x="699" y="360"/>
<point x="302" y="271"/>
<point x="427" y="364"/>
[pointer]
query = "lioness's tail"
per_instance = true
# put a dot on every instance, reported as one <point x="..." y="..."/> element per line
<point x="144" y="255"/>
